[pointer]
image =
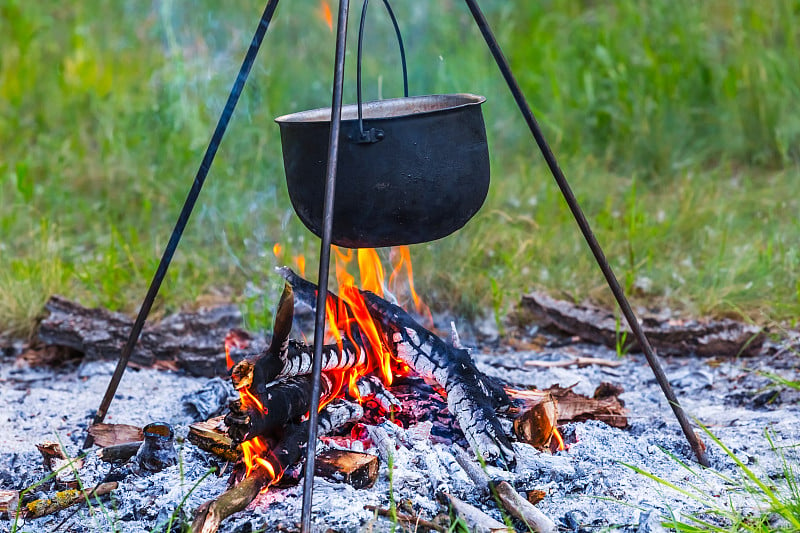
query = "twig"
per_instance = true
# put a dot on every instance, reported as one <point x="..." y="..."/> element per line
<point x="64" y="499"/>
<point x="419" y="524"/>
<point x="523" y="509"/>
<point x="212" y="513"/>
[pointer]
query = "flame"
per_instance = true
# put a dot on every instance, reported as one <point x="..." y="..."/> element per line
<point x="277" y="249"/>
<point x="559" y="440"/>
<point x="300" y="263"/>
<point x="349" y="318"/>
<point x="325" y="14"/>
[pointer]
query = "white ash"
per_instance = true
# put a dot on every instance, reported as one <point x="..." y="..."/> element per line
<point x="587" y="486"/>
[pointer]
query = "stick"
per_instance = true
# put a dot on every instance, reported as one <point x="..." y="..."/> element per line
<point x="523" y="509"/>
<point x="212" y="513"/>
<point x="477" y="521"/>
<point x="413" y="522"/>
<point x="64" y="499"/>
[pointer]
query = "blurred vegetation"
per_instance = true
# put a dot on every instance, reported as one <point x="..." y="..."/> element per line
<point x="676" y="123"/>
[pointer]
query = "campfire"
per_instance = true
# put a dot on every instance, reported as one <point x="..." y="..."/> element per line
<point x="372" y="347"/>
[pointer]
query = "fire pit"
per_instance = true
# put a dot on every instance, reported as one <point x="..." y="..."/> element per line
<point x="368" y="347"/>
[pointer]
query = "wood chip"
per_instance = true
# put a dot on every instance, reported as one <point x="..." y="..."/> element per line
<point x="354" y="468"/>
<point x="212" y="437"/>
<point x="111" y="434"/>
<point x="9" y="500"/>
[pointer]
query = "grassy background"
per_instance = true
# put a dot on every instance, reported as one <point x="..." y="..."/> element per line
<point x="676" y="123"/>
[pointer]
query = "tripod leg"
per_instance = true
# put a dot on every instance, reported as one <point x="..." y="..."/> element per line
<point x="591" y="240"/>
<point x="324" y="261"/>
<point x="183" y="218"/>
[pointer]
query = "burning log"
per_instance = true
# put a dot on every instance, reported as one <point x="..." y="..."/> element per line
<point x="268" y="470"/>
<point x="370" y="388"/>
<point x="354" y="468"/>
<point x="472" y="397"/>
<point x="270" y="407"/>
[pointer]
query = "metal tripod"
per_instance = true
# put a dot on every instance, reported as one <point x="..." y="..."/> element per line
<point x="325" y="249"/>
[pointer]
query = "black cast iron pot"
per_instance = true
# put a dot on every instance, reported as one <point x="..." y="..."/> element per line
<point x="416" y="170"/>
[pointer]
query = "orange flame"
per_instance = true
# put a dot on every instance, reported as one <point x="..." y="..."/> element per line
<point x="277" y="249"/>
<point x="300" y="263"/>
<point x="349" y="318"/>
<point x="325" y="14"/>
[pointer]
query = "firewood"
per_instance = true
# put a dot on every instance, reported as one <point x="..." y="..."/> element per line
<point x="110" y="434"/>
<point x="210" y="514"/>
<point x="372" y="388"/>
<point x="521" y="508"/>
<point x="283" y="401"/>
<point x="64" y="499"/>
<point x="476" y="520"/>
<point x="472" y="397"/>
<point x="119" y="453"/>
<point x="474" y="470"/>
<point x="9" y="501"/>
<point x="413" y="523"/>
<point x="536" y="421"/>
<point x="711" y="338"/>
<point x="192" y="341"/>
<point x="354" y="468"/>
<point x="208" y="436"/>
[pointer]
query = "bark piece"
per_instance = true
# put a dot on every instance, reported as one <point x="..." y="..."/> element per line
<point x="521" y="508"/>
<point x="476" y="520"/>
<point x="65" y="498"/>
<point x="192" y="341"/>
<point x="51" y="452"/>
<point x="354" y="468"/>
<point x="212" y="436"/>
<point x="119" y="453"/>
<point x="708" y="338"/>
<point x="9" y="501"/>
<point x="574" y="407"/>
<point x="111" y="434"/>
<point x="580" y="362"/>
<point x="536" y="421"/>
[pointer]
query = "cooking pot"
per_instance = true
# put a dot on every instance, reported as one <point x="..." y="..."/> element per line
<point x="419" y="172"/>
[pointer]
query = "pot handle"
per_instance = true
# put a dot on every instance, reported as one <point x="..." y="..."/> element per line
<point x="374" y="135"/>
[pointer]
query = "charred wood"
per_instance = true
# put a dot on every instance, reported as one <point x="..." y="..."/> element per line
<point x="371" y="388"/>
<point x="472" y="397"/>
<point x="354" y="468"/>
<point x="190" y="341"/>
<point x="119" y="453"/>
<point x="210" y="436"/>
<point x="282" y="401"/>
<point x="601" y="326"/>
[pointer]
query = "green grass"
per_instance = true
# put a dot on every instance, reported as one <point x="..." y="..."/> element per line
<point x="752" y="503"/>
<point x="675" y="123"/>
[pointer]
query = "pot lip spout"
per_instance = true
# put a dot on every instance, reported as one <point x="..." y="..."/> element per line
<point x="389" y="108"/>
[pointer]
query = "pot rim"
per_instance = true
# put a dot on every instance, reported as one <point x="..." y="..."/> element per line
<point x="388" y="109"/>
